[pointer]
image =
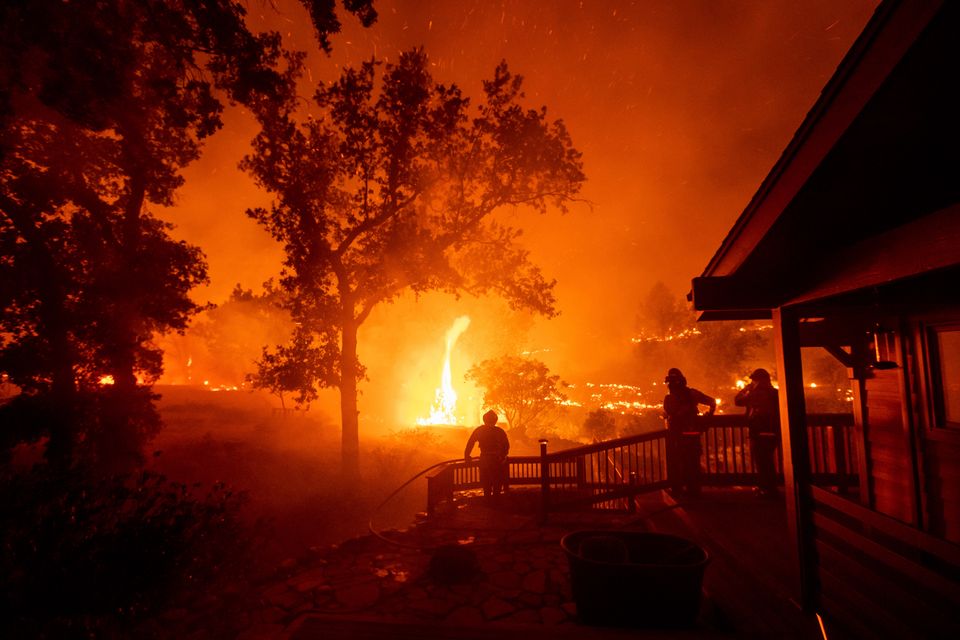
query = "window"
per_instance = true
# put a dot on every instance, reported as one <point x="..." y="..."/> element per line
<point x="945" y="348"/>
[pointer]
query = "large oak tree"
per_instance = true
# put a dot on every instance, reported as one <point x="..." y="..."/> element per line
<point x="102" y="103"/>
<point x="395" y="186"/>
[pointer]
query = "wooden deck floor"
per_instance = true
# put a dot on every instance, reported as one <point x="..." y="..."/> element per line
<point x="751" y="579"/>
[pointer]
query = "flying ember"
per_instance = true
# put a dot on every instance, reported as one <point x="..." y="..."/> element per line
<point x="444" y="406"/>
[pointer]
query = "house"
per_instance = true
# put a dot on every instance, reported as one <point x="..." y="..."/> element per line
<point x="852" y="244"/>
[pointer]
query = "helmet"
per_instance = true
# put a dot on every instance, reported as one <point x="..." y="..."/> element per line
<point x="490" y="418"/>
<point x="675" y="375"/>
<point x="760" y="374"/>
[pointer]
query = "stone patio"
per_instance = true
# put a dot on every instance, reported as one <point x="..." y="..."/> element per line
<point x="523" y="580"/>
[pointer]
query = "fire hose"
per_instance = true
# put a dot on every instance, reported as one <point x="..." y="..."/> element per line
<point x="392" y="495"/>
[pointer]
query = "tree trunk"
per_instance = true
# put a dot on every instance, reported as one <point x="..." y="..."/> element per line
<point x="64" y="420"/>
<point x="350" y="430"/>
<point x="127" y="320"/>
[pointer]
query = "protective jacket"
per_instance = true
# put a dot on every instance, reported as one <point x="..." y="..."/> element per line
<point x="492" y="440"/>
<point x="763" y="408"/>
<point x="680" y="408"/>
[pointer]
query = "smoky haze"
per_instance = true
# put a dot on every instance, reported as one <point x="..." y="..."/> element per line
<point x="679" y="107"/>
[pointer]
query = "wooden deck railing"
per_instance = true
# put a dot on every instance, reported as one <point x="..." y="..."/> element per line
<point x="609" y="473"/>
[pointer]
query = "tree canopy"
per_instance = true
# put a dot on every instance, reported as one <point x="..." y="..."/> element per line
<point x="393" y="186"/>
<point x="101" y="106"/>
<point x="600" y="424"/>
<point x="712" y="354"/>
<point x="521" y="388"/>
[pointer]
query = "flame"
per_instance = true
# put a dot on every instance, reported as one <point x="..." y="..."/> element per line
<point x="444" y="406"/>
<point x="106" y="380"/>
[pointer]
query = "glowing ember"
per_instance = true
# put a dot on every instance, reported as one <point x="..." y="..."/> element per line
<point x="444" y="406"/>
<point x="107" y="379"/>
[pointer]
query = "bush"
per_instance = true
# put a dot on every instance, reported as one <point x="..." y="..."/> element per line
<point x="100" y="557"/>
<point x="600" y="424"/>
<point x="640" y="423"/>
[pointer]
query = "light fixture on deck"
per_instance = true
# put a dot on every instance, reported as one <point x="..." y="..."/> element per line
<point x="884" y="349"/>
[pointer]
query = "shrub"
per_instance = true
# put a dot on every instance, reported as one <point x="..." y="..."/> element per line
<point x="99" y="557"/>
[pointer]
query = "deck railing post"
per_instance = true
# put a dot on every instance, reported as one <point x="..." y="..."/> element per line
<point x="632" y="504"/>
<point x="840" y="457"/>
<point x="431" y="494"/>
<point x="544" y="480"/>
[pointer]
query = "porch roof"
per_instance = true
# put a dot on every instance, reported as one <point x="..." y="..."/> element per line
<point x="865" y="193"/>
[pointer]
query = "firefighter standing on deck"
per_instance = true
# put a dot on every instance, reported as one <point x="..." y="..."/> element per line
<point x="494" y="447"/>
<point x="683" y="432"/>
<point x="763" y="420"/>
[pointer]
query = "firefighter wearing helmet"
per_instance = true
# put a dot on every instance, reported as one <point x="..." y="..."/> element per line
<point x="763" y="420"/>
<point x="494" y="447"/>
<point x="681" y="411"/>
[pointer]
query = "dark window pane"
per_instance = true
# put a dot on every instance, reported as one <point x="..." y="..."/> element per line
<point x="949" y="347"/>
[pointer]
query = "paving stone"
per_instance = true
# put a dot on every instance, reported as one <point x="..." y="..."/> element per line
<point x="466" y="616"/>
<point x="521" y="568"/>
<point x="495" y="608"/>
<point x="524" y="616"/>
<point x="525" y="537"/>
<point x="553" y="600"/>
<point x="533" y="600"/>
<point x="416" y="593"/>
<point x="505" y="579"/>
<point x="463" y="591"/>
<point x="390" y="587"/>
<point x="284" y="597"/>
<point x="358" y="596"/>
<point x="261" y="632"/>
<point x="490" y="565"/>
<point x="308" y="580"/>
<point x="269" y="615"/>
<point x="322" y="599"/>
<point x="570" y="608"/>
<point x="437" y="608"/>
<point x="559" y="579"/>
<point x="536" y="582"/>
<point x="553" y="615"/>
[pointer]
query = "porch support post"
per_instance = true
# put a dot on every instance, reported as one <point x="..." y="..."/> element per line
<point x="796" y="458"/>
<point x="544" y="481"/>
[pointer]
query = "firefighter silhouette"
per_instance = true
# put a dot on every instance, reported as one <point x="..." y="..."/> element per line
<point x="763" y="421"/>
<point x="494" y="447"/>
<point x="681" y="410"/>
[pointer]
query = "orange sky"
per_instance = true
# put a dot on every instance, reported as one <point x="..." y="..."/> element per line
<point x="680" y="108"/>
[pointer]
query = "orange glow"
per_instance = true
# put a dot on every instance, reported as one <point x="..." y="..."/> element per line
<point x="105" y="380"/>
<point x="444" y="406"/>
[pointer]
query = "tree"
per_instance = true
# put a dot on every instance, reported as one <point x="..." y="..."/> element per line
<point x="663" y="314"/>
<point x="600" y="424"/>
<point x="101" y="105"/>
<point x="393" y="187"/>
<point x="714" y="353"/>
<point x="522" y="389"/>
<point x="229" y="337"/>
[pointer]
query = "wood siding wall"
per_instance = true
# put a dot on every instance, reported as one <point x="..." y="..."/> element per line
<point x="888" y="447"/>
<point x="942" y="471"/>
<point x="882" y="579"/>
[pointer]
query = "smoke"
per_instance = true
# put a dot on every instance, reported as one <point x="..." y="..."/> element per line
<point x="680" y="109"/>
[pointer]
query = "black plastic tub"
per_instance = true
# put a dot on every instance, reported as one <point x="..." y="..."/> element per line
<point x="635" y="579"/>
